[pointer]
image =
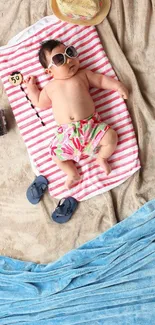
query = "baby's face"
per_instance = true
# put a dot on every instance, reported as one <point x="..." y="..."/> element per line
<point x="66" y="70"/>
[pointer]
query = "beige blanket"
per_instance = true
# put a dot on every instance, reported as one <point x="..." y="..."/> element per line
<point x="27" y="232"/>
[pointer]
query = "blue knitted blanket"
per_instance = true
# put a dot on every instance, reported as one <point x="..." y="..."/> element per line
<point x="109" y="280"/>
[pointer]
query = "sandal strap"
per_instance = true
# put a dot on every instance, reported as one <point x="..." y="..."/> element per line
<point x="37" y="190"/>
<point x="63" y="208"/>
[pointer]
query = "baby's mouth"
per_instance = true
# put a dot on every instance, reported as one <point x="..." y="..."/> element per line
<point x="71" y="67"/>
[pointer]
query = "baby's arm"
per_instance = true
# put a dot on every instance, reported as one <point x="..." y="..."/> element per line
<point x="99" y="80"/>
<point x="37" y="97"/>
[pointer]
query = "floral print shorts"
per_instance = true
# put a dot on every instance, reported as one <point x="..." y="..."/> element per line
<point x="79" y="138"/>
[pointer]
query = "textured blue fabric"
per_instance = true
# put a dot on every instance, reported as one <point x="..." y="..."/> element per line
<point x="109" y="280"/>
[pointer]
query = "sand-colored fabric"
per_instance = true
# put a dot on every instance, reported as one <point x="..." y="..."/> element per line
<point x="27" y="232"/>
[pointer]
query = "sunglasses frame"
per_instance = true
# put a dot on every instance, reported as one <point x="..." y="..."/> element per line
<point x="64" y="55"/>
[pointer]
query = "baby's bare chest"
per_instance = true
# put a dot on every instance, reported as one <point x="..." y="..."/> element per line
<point x="70" y="88"/>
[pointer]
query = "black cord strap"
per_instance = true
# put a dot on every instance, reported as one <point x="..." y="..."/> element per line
<point x="32" y="106"/>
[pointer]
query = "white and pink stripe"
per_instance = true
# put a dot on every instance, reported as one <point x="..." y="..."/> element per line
<point x="22" y="56"/>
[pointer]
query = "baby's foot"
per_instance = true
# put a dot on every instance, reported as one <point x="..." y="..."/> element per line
<point x="71" y="180"/>
<point x="104" y="164"/>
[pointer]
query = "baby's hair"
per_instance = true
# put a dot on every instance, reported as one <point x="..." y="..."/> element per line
<point x="47" y="46"/>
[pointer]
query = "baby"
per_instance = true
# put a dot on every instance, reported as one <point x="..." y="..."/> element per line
<point x="80" y="129"/>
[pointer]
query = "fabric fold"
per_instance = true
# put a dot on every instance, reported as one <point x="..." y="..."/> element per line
<point x="108" y="280"/>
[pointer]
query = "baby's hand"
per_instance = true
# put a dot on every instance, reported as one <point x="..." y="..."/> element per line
<point x="31" y="80"/>
<point x="123" y="92"/>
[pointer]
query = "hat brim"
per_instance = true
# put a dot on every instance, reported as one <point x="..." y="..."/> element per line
<point x="94" y="21"/>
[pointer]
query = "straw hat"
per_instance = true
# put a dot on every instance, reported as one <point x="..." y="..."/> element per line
<point x="81" y="12"/>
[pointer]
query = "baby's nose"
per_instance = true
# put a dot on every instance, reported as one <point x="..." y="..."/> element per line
<point x="68" y="60"/>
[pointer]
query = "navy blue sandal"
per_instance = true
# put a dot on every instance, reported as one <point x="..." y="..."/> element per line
<point x="65" y="209"/>
<point x="36" y="190"/>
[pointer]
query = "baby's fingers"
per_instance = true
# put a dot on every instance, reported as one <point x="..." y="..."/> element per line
<point x="125" y="96"/>
<point x="29" y="79"/>
<point x="32" y="79"/>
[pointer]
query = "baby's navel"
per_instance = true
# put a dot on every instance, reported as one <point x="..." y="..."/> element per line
<point x="71" y="118"/>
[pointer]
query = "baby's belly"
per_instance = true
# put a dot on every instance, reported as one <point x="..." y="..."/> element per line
<point x="67" y="114"/>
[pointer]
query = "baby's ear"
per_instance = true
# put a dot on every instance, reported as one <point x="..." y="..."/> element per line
<point x="48" y="71"/>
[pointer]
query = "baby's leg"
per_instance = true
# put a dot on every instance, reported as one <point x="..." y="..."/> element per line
<point x="70" y="169"/>
<point x="108" y="145"/>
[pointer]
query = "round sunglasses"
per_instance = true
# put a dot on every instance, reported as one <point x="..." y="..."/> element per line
<point x="59" y="59"/>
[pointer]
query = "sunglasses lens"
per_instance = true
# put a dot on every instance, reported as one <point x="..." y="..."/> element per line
<point x="58" y="59"/>
<point x="71" y="52"/>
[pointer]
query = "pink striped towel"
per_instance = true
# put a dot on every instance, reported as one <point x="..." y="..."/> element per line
<point x="21" y="55"/>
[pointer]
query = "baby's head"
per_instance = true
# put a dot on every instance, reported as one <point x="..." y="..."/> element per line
<point x="58" y="59"/>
